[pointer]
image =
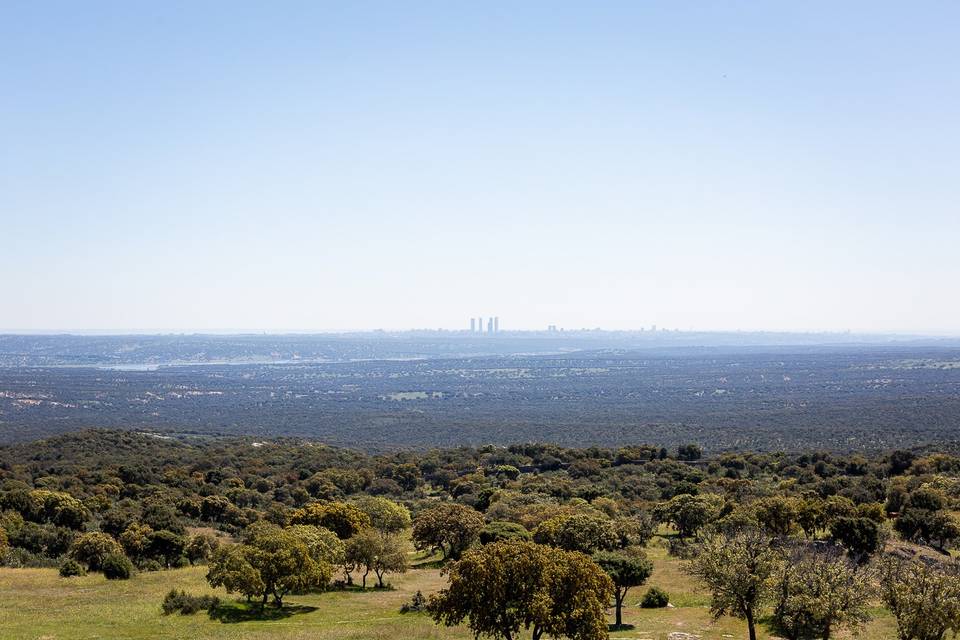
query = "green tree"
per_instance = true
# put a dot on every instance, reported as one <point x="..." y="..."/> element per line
<point x="578" y="532"/>
<point x="271" y="561"/>
<point x="380" y="553"/>
<point x="627" y="568"/>
<point x="810" y="515"/>
<point x="92" y="548"/>
<point x="636" y="530"/>
<point x="230" y="568"/>
<point x="200" y="547"/>
<point x="323" y="544"/>
<point x="924" y="519"/>
<point x="817" y="591"/>
<point x="736" y="569"/>
<point x="342" y="518"/>
<point x="385" y="515"/>
<point x="60" y="509"/>
<point x="776" y="515"/>
<point x="166" y="547"/>
<point x="135" y="540"/>
<point x="924" y="596"/>
<point x="687" y="513"/>
<point x="498" y="531"/>
<point x="504" y="587"/>
<point x="449" y="528"/>
<point x="861" y="537"/>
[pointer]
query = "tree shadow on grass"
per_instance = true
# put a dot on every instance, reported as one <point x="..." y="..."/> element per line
<point x="357" y="588"/>
<point x="620" y="627"/>
<point x="244" y="612"/>
<point x="428" y="563"/>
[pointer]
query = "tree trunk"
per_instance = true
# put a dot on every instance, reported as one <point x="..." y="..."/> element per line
<point x="751" y="628"/>
<point x="365" y="574"/>
<point x="619" y="598"/>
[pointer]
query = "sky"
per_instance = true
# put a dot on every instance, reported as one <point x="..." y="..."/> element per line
<point x="296" y="166"/>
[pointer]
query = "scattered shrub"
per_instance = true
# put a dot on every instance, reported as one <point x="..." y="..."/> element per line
<point x="70" y="568"/>
<point x="655" y="598"/>
<point x="417" y="604"/>
<point x="187" y="604"/>
<point x="116" y="567"/>
<point x="151" y="565"/>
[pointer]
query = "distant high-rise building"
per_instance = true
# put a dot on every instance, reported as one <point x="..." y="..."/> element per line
<point x="473" y="325"/>
<point x="480" y="324"/>
<point x="496" y="324"/>
<point x="489" y="325"/>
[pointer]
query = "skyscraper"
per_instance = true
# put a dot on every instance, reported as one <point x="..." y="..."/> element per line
<point x="473" y="325"/>
<point x="489" y="325"/>
<point x="480" y="324"/>
<point x="496" y="324"/>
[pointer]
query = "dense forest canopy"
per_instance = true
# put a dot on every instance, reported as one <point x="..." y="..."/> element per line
<point x="841" y="398"/>
<point x="563" y="529"/>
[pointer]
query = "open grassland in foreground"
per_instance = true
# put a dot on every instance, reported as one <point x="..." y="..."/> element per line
<point x="39" y="604"/>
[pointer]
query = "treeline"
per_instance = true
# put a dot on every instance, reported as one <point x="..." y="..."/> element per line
<point x="801" y="538"/>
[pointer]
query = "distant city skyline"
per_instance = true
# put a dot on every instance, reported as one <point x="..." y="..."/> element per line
<point x="330" y="167"/>
<point x="550" y="328"/>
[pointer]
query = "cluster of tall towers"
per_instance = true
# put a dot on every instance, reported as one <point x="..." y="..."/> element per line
<point x="493" y="325"/>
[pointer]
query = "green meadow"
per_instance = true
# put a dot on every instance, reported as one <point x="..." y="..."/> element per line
<point x="40" y="605"/>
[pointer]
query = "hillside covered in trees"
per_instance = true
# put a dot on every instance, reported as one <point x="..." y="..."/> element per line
<point x="804" y="541"/>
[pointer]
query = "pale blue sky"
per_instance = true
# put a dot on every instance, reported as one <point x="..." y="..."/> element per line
<point x="354" y="165"/>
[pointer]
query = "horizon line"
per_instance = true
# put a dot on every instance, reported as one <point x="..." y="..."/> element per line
<point x="922" y="333"/>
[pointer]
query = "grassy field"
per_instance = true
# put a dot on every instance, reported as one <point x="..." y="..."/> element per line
<point x="38" y="604"/>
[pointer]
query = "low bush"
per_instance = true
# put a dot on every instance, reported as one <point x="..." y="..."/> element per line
<point x="70" y="568"/>
<point x="655" y="598"/>
<point x="116" y="566"/>
<point x="417" y="604"/>
<point x="151" y="565"/>
<point x="187" y="604"/>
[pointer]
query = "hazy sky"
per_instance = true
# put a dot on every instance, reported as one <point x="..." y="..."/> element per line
<point x="352" y="165"/>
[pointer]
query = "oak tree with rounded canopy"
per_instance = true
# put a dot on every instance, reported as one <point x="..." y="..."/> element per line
<point x="736" y="568"/>
<point x="92" y="548"/>
<point x="271" y="561"/>
<point x="687" y="513"/>
<point x="343" y="519"/>
<point x="923" y="595"/>
<point x="230" y="568"/>
<point x="449" y="528"/>
<point x="385" y="515"/>
<point x="323" y="544"/>
<point x="371" y="550"/>
<point x="626" y="568"/>
<point x="816" y="591"/>
<point x="776" y="514"/>
<point x="58" y="508"/>
<point x="578" y="532"/>
<point x="505" y="587"/>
